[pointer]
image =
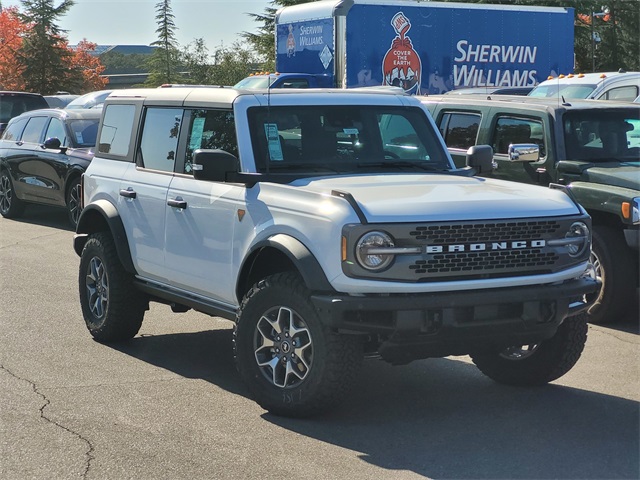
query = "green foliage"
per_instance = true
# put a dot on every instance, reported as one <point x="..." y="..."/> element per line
<point x="115" y="63"/>
<point x="164" y="64"/>
<point x="197" y="61"/>
<point x="232" y="65"/>
<point x="44" y="54"/>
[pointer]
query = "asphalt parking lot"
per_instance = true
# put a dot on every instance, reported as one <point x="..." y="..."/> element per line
<point x="169" y="404"/>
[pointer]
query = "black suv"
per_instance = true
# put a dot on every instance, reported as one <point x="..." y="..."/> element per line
<point x="591" y="146"/>
<point x="13" y="104"/>
<point x="43" y="153"/>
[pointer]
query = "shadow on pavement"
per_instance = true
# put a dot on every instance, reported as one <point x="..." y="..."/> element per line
<point x="441" y="418"/>
<point x="45" y="216"/>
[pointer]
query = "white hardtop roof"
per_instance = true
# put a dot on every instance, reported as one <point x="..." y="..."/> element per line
<point x="224" y="97"/>
<point x="332" y="8"/>
<point x="590" y="78"/>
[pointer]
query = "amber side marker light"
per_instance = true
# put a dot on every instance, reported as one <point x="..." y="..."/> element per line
<point x="344" y="249"/>
<point x="626" y="210"/>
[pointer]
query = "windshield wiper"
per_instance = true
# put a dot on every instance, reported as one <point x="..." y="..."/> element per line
<point x="403" y="164"/>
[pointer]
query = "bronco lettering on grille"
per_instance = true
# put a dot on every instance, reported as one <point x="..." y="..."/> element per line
<point x="479" y="247"/>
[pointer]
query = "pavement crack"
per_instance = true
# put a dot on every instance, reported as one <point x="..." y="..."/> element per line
<point x="606" y="331"/>
<point x="46" y="402"/>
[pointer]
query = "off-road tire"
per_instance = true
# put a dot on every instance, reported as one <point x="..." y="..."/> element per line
<point x="611" y="257"/>
<point x="547" y="361"/>
<point x="10" y="205"/>
<point x="113" y="308"/>
<point x="72" y="200"/>
<point x="334" y="365"/>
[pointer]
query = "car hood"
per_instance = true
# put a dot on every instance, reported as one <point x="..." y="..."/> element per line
<point x="615" y="174"/>
<point x="435" y="197"/>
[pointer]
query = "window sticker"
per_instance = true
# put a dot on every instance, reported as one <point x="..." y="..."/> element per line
<point x="350" y="131"/>
<point x="273" y="141"/>
<point x="79" y="137"/>
<point x="196" y="133"/>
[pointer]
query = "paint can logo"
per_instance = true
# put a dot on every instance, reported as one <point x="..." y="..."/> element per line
<point x="291" y="43"/>
<point x="401" y="66"/>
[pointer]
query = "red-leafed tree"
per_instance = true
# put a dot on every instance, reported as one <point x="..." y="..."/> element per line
<point x="11" y="31"/>
<point x="85" y="69"/>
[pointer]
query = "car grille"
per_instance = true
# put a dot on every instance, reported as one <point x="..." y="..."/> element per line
<point x="471" y="250"/>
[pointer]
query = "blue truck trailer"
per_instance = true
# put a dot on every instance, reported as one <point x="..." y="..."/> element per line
<point x="424" y="47"/>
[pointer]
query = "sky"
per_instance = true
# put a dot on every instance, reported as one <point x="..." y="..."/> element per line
<point x="132" y="22"/>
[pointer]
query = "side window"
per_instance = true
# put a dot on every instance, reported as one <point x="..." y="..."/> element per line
<point x="627" y="93"/>
<point x="56" y="129"/>
<point x="33" y="131"/>
<point x="510" y="130"/>
<point x="296" y="83"/>
<point x="117" y="129"/>
<point x="14" y="130"/>
<point x="211" y="130"/>
<point x="460" y="130"/>
<point x="160" y="134"/>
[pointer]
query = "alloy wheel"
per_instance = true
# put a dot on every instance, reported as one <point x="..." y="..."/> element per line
<point x="97" y="285"/>
<point x="283" y="347"/>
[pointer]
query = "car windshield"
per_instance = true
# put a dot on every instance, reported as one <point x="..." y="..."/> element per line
<point x="602" y="135"/>
<point x="567" y="91"/>
<point x="89" y="100"/>
<point x="84" y="132"/>
<point x="254" y="82"/>
<point x="345" y="139"/>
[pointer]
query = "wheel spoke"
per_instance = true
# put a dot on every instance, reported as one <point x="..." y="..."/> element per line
<point x="97" y="286"/>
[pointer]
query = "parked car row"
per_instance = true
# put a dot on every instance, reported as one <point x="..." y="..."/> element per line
<point x="47" y="145"/>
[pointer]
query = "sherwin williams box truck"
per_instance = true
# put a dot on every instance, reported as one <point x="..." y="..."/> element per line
<point x="424" y="47"/>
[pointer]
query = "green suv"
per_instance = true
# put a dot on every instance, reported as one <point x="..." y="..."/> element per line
<point x="593" y="147"/>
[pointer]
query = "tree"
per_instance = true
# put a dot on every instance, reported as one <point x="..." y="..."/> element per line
<point x="197" y="61"/>
<point x="263" y="41"/>
<point x="232" y="64"/>
<point x="165" y="61"/>
<point x="11" y="31"/>
<point x="43" y="56"/>
<point x="86" y="69"/>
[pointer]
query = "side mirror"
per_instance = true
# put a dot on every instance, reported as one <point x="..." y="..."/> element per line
<point x="214" y="165"/>
<point x="524" y="152"/>
<point x="480" y="158"/>
<point x="52" y="143"/>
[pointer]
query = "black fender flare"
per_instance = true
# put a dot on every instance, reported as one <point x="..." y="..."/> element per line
<point x="99" y="216"/>
<point x="299" y="255"/>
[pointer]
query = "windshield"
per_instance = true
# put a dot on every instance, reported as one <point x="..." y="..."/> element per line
<point x="567" y="91"/>
<point x="345" y="139"/>
<point x="602" y="135"/>
<point x="254" y="82"/>
<point x="84" y="132"/>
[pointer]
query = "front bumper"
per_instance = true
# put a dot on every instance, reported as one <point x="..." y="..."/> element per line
<point x="425" y="325"/>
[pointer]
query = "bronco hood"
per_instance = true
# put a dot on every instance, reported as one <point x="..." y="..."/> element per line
<point x="431" y="197"/>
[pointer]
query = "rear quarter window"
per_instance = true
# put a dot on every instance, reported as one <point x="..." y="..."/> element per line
<point x="117" y="129"/>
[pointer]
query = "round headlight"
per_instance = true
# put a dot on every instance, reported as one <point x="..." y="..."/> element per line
<point x="580" y="232"/>
<point x="368" y="251"/>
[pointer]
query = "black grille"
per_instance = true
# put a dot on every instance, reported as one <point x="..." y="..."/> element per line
<point x="484" y="261"/>
<point x="486" y="232"/>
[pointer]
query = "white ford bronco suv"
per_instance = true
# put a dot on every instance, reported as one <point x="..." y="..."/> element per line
<point x="329" y="225"/>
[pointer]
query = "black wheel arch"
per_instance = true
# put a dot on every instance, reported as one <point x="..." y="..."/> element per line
<point x="100" y="216"/>
<point x="278" y="254"/>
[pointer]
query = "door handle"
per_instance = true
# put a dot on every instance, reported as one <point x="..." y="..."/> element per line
<point x="128" y="193"/>
<point x="178" y="202"/>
